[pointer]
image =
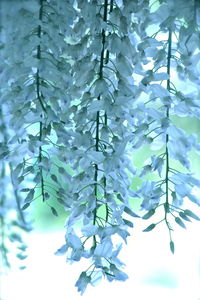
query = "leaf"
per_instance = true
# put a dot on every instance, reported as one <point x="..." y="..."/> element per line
<point x="149" y="214"/>
<point x="61" y="170"/>
<point x="21" y="256"/>
<point x="150" y="227"/>
<point x="172" y="246"/>
<point x="16" y="172"/>
<point x="180" y="222"/>
<point x="20" y="179"/>
<point x="46" y="196"/>
<point x="25" y="206"/>
<point x="37" y="178"/>
<point x="54" y="178"/>
<point x="54" y="211"/>
<point x="184" y="216"/>
<point x="29" y="196"/>
<point x="128" y="223"/>
<point x="4" y="154"/>
<point x="25" y="190"/>
<point x="130" y="212"/>
<point x="120" y="197"/>
<point x="15" y="237"/>
<point x="191" y="214"/>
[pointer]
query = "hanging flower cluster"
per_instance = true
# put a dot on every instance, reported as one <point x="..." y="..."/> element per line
<point x="87" y="85"/>
<point x="164" y="51"/>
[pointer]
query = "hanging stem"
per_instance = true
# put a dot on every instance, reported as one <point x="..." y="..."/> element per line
<point x="196" y="8"/>
<point x="167" y="135"/>
<point x="105" y="115"/>
<point x="40" y="98"/>
<point x="98" y="114"/>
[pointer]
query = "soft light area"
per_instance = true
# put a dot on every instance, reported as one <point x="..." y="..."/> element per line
<point x="154" y="273"/>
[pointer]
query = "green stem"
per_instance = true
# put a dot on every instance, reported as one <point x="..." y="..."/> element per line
<point x="98" y="116"/>
<point x="111" y="5"/>
<point x="167" y="115"/>
<point x="39" y="96"/>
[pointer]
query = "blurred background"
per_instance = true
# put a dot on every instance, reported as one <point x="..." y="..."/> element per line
<point x="154" y="273"/>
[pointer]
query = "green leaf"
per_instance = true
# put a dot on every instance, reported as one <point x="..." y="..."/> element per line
<point x="46" y="196"/>
<point x="130" y="212"/>
<point x="21" y="256"/>
<point x="25" y="190"/>
<point x="172" y="246"/>
<point x="128" y="223"/>
<point x="191" y="214"/>
<point x="120" y="197"/>
<point x="184" y="216"/>
<point x="25" y="206"/>
<point x="16" y="172"/>
<point x="150" y="227"/>
<point x="61" y="170"/>
<point x="54" y="211"/>
<point x="4" y="154"/>
<point x="20" y="179"/>
<point x="149" y="214"/>
<point x="180" y="222"/>
<point x="29" y="196"/>
<point x="15" y="237"/>
<point x="54" y="178"/>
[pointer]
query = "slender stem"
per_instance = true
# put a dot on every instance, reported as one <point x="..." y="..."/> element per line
<point x="111" y="5"/>
<point x="196" y="7"/>
<point x="39" y="30"/>
<point x="40" y="99"/>
<point x="167" y="115"/>
<point x="98" y="114"/>
<point x="106" y="117"/>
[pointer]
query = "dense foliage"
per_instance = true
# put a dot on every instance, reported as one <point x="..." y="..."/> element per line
<point x="84" y="86"/>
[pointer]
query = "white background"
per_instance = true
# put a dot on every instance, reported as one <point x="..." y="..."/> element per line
<point x="154" y="273"/>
